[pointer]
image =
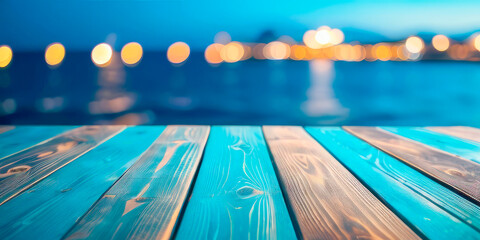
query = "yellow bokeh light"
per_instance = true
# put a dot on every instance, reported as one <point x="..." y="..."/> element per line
<point x="6" y="55"/>
<point x="102" y="54"/>
<point x="402" y="52"/>
<point x="310" y="41"/>
<point x="323" y="37"/>
<point x="440" y="42"/>
<point x="131" y="53"/>
<point x="232" y="52"/>
<point x="298" y="52"/>
<point x="382" y="52"/>
<point x="336" y="36"/>
<point x="212" y="53"/>
<point x="54" y="54"/>
<point x="476" y="42"/>
<point x="178" y="52"/>
<point x="277" y="50"/>
<point x="414" y="44"/>
<point x="359" y="53"/>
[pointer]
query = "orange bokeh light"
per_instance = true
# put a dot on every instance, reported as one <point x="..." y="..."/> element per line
<point x="54" y="54"/>
<point x="212" y="53"/>
<point x="131" y="53"/>
<point x="178" y="52"/>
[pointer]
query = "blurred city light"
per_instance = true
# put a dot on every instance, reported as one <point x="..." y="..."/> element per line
<point x="440" y="42"/>
<point x="54" y="54"/>
<point x="382" y="52"/>
<point x="131" y="53"/>
<point x="6" y="55"/>
<point x="298" y="52"/>
<point x="102" y="54"/>
<point x="476" y="42"/>
<point x="222" y="38"/>
<point x="276" y="50"/>
<point x="459" y="51"/>
<point x="414" y="44"/>
<point x="232" y="52"/>
<point x="257" y="51"/>
<point x="212" y="53"/>
<point x="178" y="52"/>
<point x="336" y="36"/>
<point x="323" y="36"/>
<point x="309" y="38"/>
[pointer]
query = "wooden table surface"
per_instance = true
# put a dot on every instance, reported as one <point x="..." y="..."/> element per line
<point x="239" y="182"/>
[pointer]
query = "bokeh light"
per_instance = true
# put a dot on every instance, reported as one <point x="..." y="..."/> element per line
<point x="232" y="52"/>
<point x="336" y="36"/>
<point x="309" y="39"/>
<point x="102" y="54"/>
<point x="257" y="51"/>
<point x="476" y="42"/>
<point x="459" y="51"/>
<point x="178" y="52"/>
<point x="414" y="44"/>
<point x="382" y="52"/>
<point x="276" y="50"/>
<point x="298" y="52"/>
<point x="6" y="55"/>
<point x="440" y="42"/>
<point x="131" y="53"/>
<point x="54" y="54"/>
<point x="322" y="36"/>
<point x="212" y="53"/>
<point x="222" y="38"/>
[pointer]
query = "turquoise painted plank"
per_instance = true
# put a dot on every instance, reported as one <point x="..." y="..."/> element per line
<point x="51" y="207"/>
<point x="460" y="147"/>
<point x="23" y="169"/>
<point x="145" y="202"/>
<point x="22" y="137"/>
<point x="432" y="209"/>
<point x="236" y="194"/>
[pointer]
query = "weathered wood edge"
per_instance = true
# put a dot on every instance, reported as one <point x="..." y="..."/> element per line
<point x="440" y="179"/>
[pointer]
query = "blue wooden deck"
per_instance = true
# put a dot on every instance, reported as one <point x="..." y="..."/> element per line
<point x="239" y="182"/>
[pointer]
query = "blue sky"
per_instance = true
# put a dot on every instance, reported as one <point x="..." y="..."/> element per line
<point x="81" y="24"/>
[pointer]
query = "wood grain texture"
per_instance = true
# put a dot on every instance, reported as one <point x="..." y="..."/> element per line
<point x="326" y="199"/>
<point x="23" y="169"/>
<point x="463" y="148"/>
<point x="146" y="201"/>
<point x="51" y="207"/>
<point x="469" y="133"/>
<point x="458" y="173"/>
<point x="23" y="137"/>
<point x="6" y="128"/>
<point x="432" y="209"/>
<point x="236" y="194"/>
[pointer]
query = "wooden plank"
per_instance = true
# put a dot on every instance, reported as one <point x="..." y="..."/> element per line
<point x="23" y="137"/>
<point x="236" y="194"/>
<point x="51" y="207"/>
<point x="326" y="199"/>
<point x="463" y="148"/>
<point x="455" y="172"/>
<point x="146" y="202"/>
<point x="469" y="133"/>
<point x="432" y="209"/>
<point x="23" y="169"/>
<point x="6" y="128"/>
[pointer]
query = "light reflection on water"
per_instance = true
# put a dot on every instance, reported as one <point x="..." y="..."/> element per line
<point x="252" y="92"/>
